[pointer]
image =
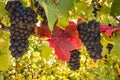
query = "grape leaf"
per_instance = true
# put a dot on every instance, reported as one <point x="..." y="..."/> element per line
<point x="64" y="12"/>
<point x="3" y="12"/>
<point x="115" y="9"/>
<point x="80" y="20"/>
<point x="51" y="12"/>
<point x="46" y="51"/>
<point x="110" y="1"/>
<point x="108" y="29"/>
<point x="115" y="50"/>
<point x="4" y="60"/>
<point x="62" y="22"/>
<point x="43" y="31"/>
<point x="64" y="6"/>
<point x="4" y="51"/>
<point x="64" y="41"/>
<point x="105" y="9"/>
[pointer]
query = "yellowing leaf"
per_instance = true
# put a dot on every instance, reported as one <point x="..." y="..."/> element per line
<point x="62" y="23"/>
<point x="46" y="51"/>
<point x="4" y="61"/>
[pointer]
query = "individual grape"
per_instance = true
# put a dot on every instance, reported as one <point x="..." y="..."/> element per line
<point x="74" y="62"/>
<point x="22" y="26"/>
<point x="90" y="36"/>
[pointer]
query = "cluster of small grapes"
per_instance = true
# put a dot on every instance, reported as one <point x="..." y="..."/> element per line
<point x="41" y="12"/>
<point x="90" y="36"/>
<point x="96" y="7"/>
<point x="74" y="62"/>
<point x="22" y="26"/>
<point x="109" y="47"/>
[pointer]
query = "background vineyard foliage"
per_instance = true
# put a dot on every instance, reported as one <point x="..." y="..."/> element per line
<point x="40" y="63"/>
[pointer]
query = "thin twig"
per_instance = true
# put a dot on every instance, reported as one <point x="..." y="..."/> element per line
<point x="116" y="18"/>
<point x="31" y="2"/>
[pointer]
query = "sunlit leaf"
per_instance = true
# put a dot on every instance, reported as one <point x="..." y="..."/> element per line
<point x="46" y="51"/>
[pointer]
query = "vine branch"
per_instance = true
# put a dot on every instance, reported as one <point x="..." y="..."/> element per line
<point x="116" y="18"/>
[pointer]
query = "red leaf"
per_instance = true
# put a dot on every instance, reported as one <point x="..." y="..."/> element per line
<point x="79" y="20"/>
<point x="43" y="31"/>
<point x="108" y="29"/>
<point x="64" y="41"/>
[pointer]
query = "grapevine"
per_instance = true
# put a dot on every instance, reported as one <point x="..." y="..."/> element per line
<point x="59" y="40"/>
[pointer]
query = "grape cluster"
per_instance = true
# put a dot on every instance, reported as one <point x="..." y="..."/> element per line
<point x="90" y="36"/>
<point x="109" y="47"/>
<point x="96" y="7"/>
<point x="74" y="62"/>
<point x="22" y="26"/>
<point x="41" y="12"/>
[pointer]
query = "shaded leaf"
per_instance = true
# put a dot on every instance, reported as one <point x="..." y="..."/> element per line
<point x="115" y="9"/>
<point x="43" y="31"/>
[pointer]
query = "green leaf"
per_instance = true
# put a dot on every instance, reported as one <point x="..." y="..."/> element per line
<point x="4" y="60"/>
<point x="46" y="51"/>
<point x="51" y="12"/>
<point x="62" y="23"/>
<point x="4" y="51"/>
<point x="64" y="6"/>
<point x="60" y="12"/>
<point x="116" y="47"/>
<point x="105" y="9"/>
<point x="115" y="9"/>
<point x="110" y="1"/>
<point x="2" y="9"/>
